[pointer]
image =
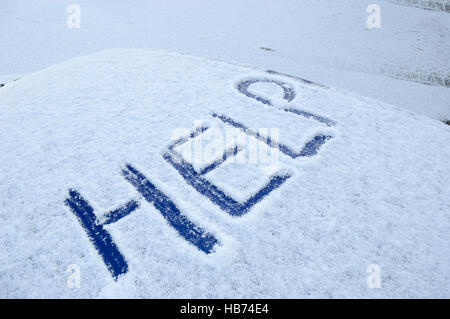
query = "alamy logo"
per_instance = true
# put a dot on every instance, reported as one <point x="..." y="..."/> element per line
<point x="373" y="21"/>
<point x="74" y="279"/>
<point x="73" y="20"/>
<point x="195" y="177"/>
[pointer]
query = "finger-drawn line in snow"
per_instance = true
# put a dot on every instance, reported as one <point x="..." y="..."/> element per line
<point x="121" y="212"/>
<point x="289" y="94"/>
<point x="310" y="149"/>
<point x="305" y="81"/>
<point x="102" y="240"/>
<point x="211" y="191"/>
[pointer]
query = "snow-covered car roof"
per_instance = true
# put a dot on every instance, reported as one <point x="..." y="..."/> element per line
<point x="100" y="173"/>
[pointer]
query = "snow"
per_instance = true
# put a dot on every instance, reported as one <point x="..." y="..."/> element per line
<point x="323" y="41"/>
<point x="375" y="193"/>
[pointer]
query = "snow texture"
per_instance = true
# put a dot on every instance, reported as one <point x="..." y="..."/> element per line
<point x="443" y="5"/>
<point x="377" y="192"/>
<point x="321" y="40"/>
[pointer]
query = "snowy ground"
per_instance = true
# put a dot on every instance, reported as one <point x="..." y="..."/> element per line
<point x="375" y="193"/>
<point x="324" y="41"/>
<point x="357" y="176"/>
